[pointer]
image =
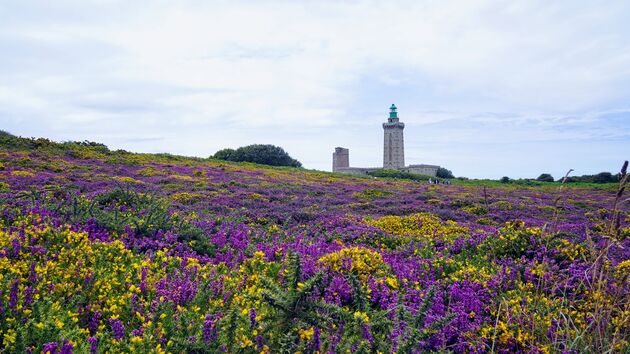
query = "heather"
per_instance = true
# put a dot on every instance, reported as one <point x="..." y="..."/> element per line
<point x="106" y="251"/>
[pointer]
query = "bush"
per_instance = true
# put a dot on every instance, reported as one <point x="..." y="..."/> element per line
<point x="258" y="153"/>
<point x="545" y="177"/>
<point x="604" y="177"/>
<point x="224" y="154"/>
<point x="444" y="173"/>
<point x="505" y="179"/>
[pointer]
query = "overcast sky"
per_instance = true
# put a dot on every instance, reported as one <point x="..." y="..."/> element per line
<point x="485" y="88"/>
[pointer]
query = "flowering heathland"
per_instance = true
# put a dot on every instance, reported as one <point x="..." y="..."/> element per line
<point x="118" y="252"/>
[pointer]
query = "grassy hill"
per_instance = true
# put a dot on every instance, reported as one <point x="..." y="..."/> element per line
<point x="115" y="251"/>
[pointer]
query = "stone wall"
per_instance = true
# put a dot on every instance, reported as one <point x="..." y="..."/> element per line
<point x="430" y="170"/>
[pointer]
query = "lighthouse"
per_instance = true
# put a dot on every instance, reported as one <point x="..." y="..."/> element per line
<point x="393" y="144"/>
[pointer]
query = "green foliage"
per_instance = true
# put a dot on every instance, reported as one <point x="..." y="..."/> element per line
<point x="476" y="210"/>
<point x="514" y="240"/>
<point x="258" y="153"/>
<point x="399" y="175"/>
<point x="444" y="173"/>
<point x="370" y="194"/>
<point x="5" y="134"/>
<point x="504" y="179"/>
<point x="545" y="177"/>
<point x="123" y="209"/>
<point x="10" y="141"/>
<point x="416" y="331"/>
<point x="602" y="177"/>
<point x="224" y="154"/>
<point x="294" y="304"/>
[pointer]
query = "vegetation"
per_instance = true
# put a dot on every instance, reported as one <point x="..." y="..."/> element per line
<point x="258" y="153"/>
<point x="399" y="175"/>
<point x="104" y="251"/>
<point x="545" y="177"/>
<point x="602" y="177"/>
<point x="444" y="173"/>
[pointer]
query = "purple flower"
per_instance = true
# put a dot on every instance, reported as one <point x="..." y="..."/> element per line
<point x="209" y="330"/>
<point x="252" y="318"/>
<point x="117" y="328"/>
<point x="13" y="295"/>
<point x="50" y="347"/>
<point x="66" y="348"/>
<point x="16" y="246"/>
<point x="32" y="275"/>
<point x="316" y="339"/>
<point x="94" y="322"/>
<point x="367" y="334"/>
<point x="28" y="296"/>
<point x="143" y="280"/>
<point x="93" y="345"/>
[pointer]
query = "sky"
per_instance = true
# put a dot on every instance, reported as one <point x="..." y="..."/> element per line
<point x="485" y="88"/>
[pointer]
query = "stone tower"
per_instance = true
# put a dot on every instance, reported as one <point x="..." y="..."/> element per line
<point x="393" y="145"/>
<point x="341" y="158"/>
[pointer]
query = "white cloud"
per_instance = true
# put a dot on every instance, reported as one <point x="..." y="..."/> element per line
<point x="204" y="75"/>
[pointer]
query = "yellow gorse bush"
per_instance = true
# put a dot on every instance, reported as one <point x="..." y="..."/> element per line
<point x="420" y="226"/>
<point x="126" y="179"/>
<point x="62" y="262"/>
<point x="363" y="261"/>
<point x="22" y="174"/>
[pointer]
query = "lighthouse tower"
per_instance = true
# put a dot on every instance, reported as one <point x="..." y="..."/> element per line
<point x="393" y="145"/>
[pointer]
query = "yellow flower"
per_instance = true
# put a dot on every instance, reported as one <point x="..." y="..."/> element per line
<point x="362" y="260"/>
<point x="307" y="334"/>
<point x="9" y="337"/>
<point x="392" y="282"/>
<point x="22" y="174"/>
<point x="361" y="316"/>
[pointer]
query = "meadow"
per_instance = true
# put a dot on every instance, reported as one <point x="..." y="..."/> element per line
<point x="117" y="252"/>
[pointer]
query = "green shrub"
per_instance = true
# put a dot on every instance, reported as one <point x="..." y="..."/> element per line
<point x="545" y="177"/>
<point x="444" y="173"/>
<point x="514" y="240"/>
<point x="258" y="153"/>
<point x="372" y="194"/>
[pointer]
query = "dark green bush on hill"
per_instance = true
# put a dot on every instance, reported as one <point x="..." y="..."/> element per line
<point x="224" y="154"/>
<point x="602" y="177"/>
<point x="13" y="142"/>
<point x="444" y="173"/>
<point x="258" y="153"/>
<point x="545" y="177"/>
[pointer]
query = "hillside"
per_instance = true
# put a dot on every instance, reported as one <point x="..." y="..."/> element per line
<point x="123" y="252"/>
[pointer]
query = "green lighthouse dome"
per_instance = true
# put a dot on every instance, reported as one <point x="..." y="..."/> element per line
<point x="392" y="111"/>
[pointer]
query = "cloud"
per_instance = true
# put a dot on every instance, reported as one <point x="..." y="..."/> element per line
<point x="313" y="75"/>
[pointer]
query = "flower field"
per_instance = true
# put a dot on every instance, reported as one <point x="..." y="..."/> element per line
<point x="118" y="252"/>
